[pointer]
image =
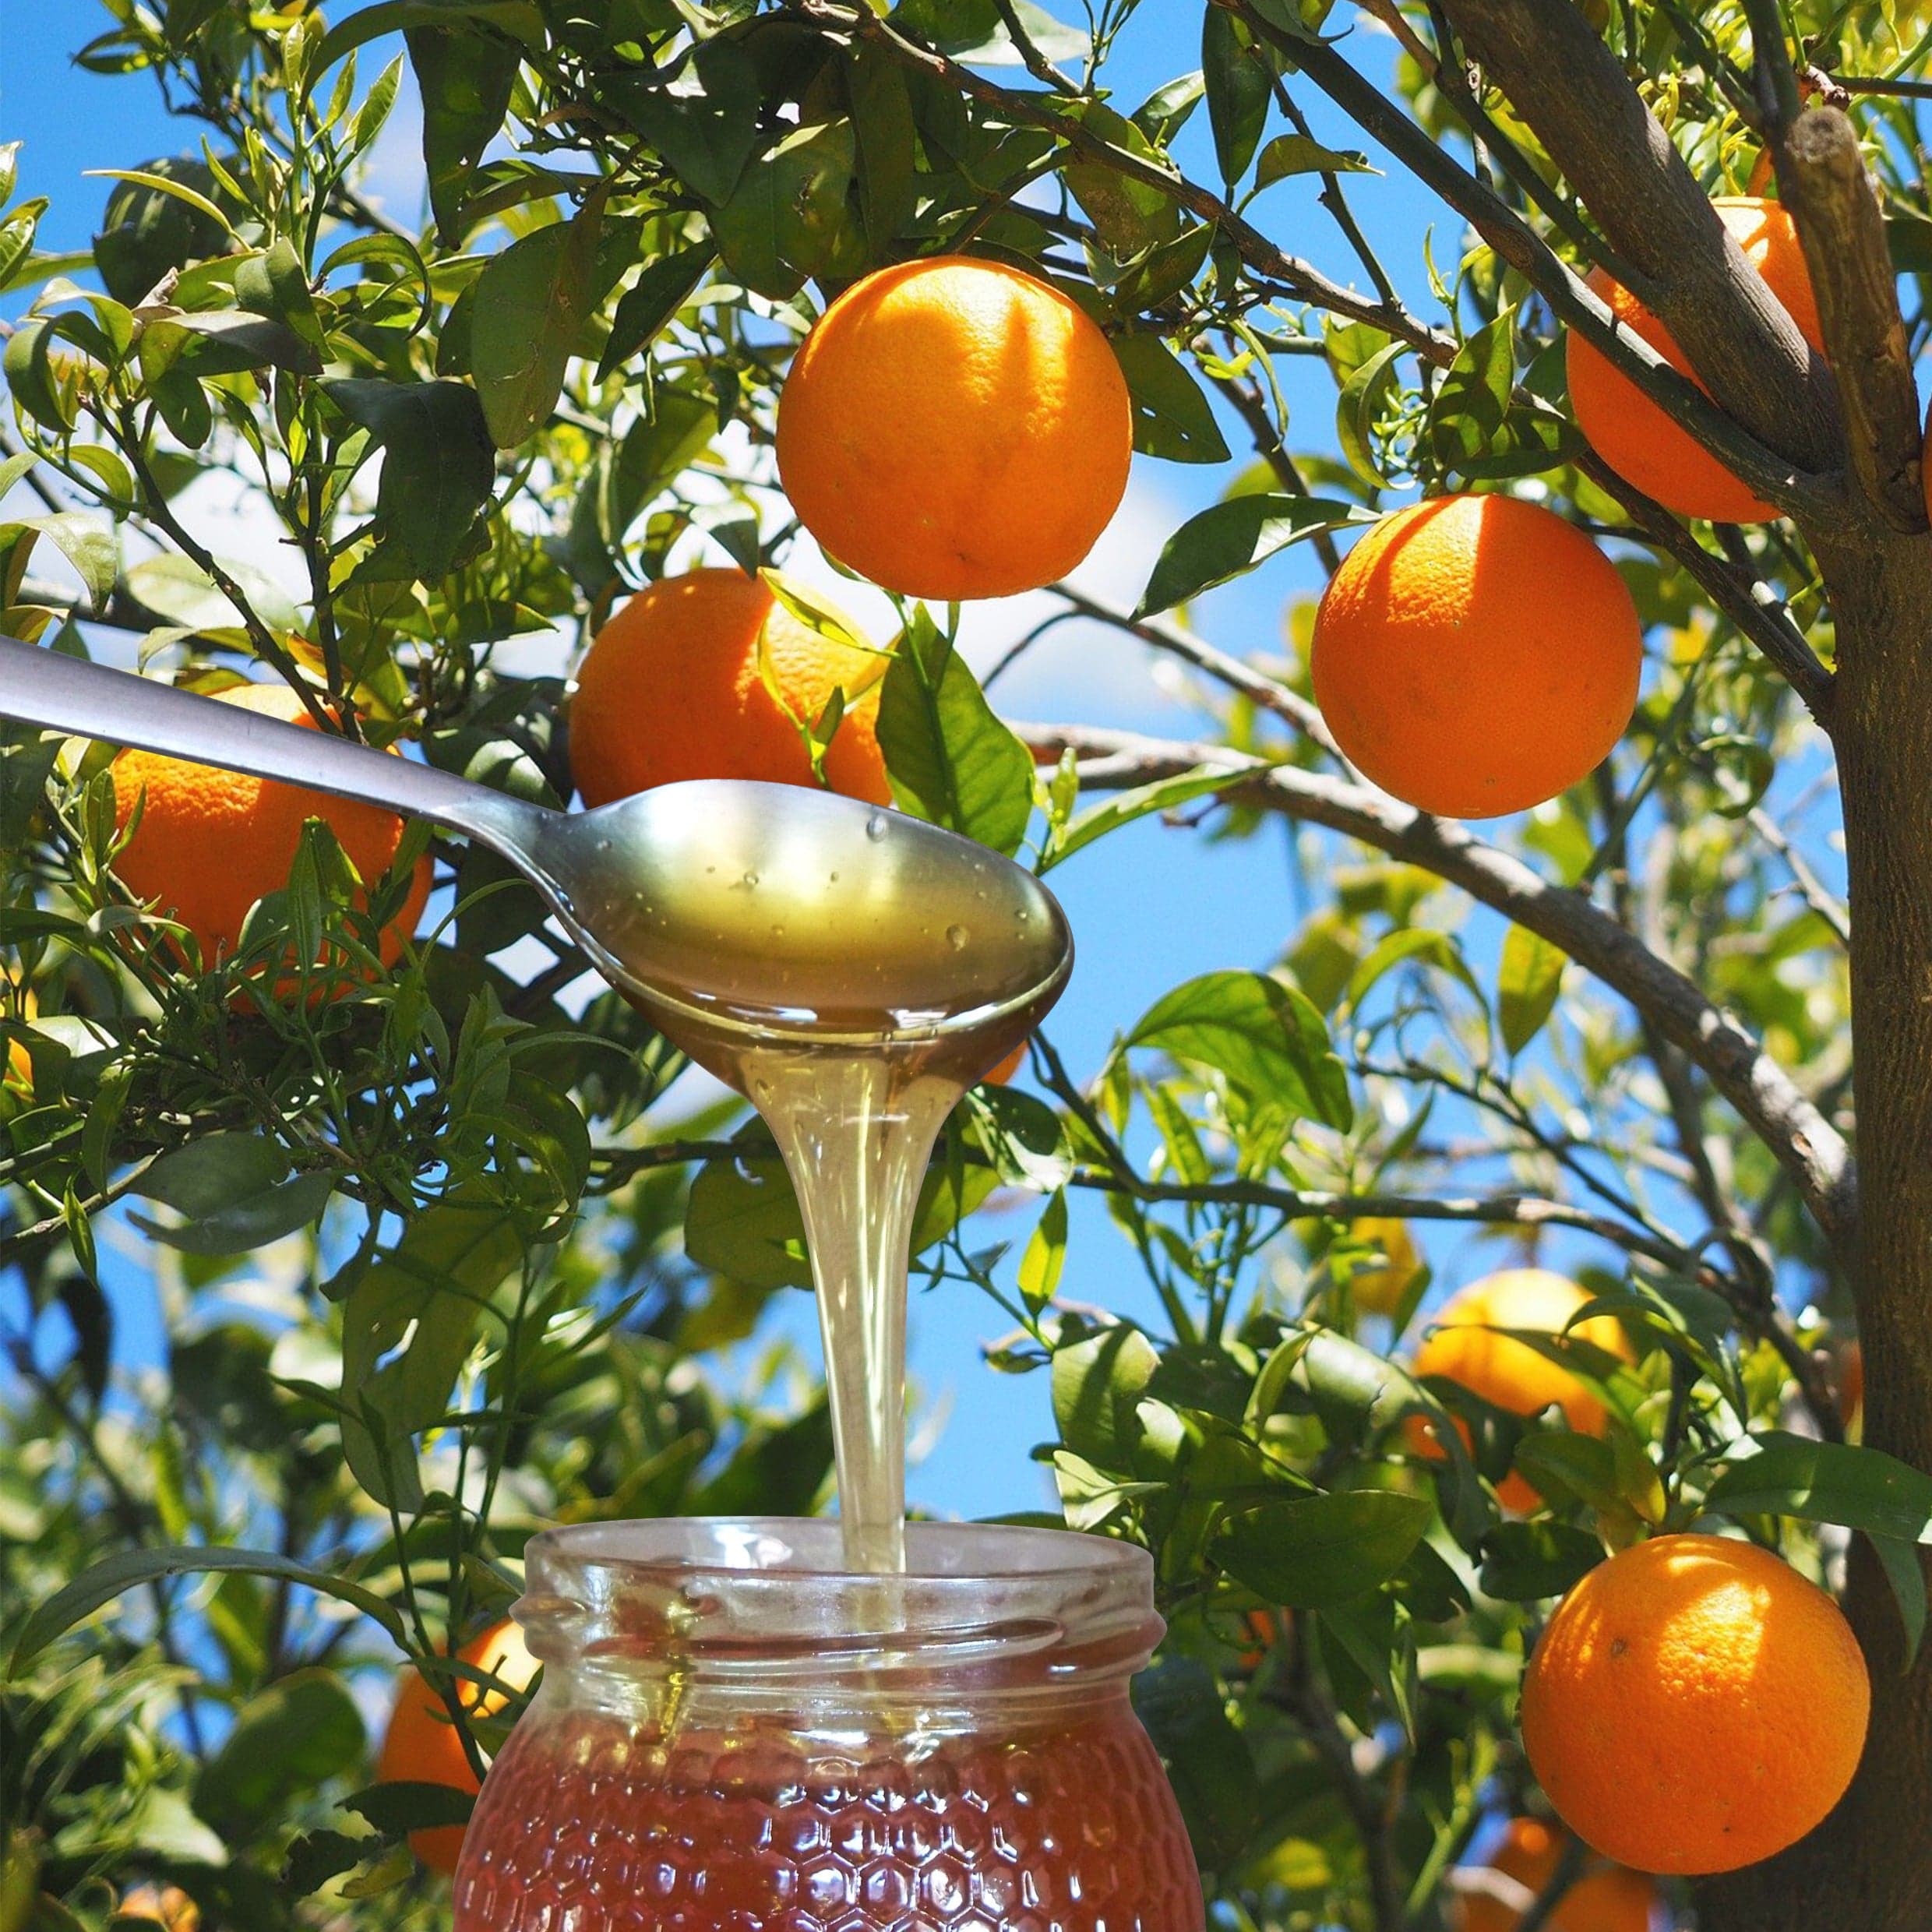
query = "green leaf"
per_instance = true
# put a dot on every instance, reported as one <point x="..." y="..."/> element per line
<point x="1237" y="80"/>
<point x="1301" y="154"/>
<point x="1375" y="1635"/>
<point x="1229" y="539"/>
<point x="115" y="1575"/>
<point x="1045" y="1256"/>
<point x="213" y="1173"/>
<point x="1309" y="1551"/>
<point x="704" y="120"/>
<point x="791" y="215"/>
<point x="1360" y="405"/>
<point x="1023" y="1137"/>
<point x="531" y="303"/>
<point x="17" y="243"/>
<point x="223" y="342"/>
<point x="520" y="20"/>
<point x="1905" y="1573"/>
<point x="650" y="302"/>
<point x="1524" y="1562"/>
<point x="1528" y="979"/>
<point x="1098" y="1384"/>
<point x="973" y="30"/>
<point x="170" y="185"/>
<point x="1164" y="795"/>
<point x="1128" y="214"/>
<point x="287" y="1741"/>
<point x="1406" y="945"/>
<point x="887" y="142"/>
<point x="950" y="759"/>
<point x="87" y="544"/>
<point x="1209" y="1765"/>
<point x="30" y="378"/>
<point x="176" y="589"/>
<point x="1268" y="1037"/>
<point x="1173" y="418"/>
<point x="234" y="1192"/>
<point x="432" y="1287"/>
<point x="272" y="283"/>
<point x="404" y="1805"/>
<point x="466" y="80"/>
<point x="1778" y="1474"/>
<point x="439" y="467"/>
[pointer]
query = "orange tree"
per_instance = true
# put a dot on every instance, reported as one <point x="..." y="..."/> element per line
<point x="440" y="1261"/>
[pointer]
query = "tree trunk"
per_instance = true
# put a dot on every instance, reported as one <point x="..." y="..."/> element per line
<point x="1869" y="1866"/>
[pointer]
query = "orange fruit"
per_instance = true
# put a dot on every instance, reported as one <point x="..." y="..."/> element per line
<point x="1461" y="1347"/>
<point x="211" y="842"/>
<point x="1006" y="1068"/>
<point x="955" y="428"/>
<point x="1378" y="1291"/>
<point x="19" y="1062"/>
<point x="168" y="1906"/>
<point x="1611" y="1898"/>
<point x="1694" y="1705"/>
<point x="421" y="1746"/>
<point x="1851" y="1383"/>
<point x="1267" y="1628"/>
<point x="1475" y="655"/>
<point x="1635" y="435"/>
<point x="674" y="687"/>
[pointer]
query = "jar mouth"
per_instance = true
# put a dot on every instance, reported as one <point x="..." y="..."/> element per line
<point x="769" y="1598"/>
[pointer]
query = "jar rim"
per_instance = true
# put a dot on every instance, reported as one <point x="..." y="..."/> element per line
<point x="770" y="1595"/>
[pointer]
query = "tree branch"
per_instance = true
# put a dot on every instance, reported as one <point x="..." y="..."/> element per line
<point x="1821" y="175"/>
<point x="1737" y="591"/>
<point x="1263" y="692"/>
<point x="1299" y="279"/>
<point x="1572" y="89"/>
<point x="1802" y="1141"/>
<point x="1778" y="454"/>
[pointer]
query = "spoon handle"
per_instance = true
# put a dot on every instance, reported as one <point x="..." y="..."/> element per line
<point x="62" y="693"/>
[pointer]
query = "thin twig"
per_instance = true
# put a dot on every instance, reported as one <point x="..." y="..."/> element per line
<point x="1770" y="1102"/>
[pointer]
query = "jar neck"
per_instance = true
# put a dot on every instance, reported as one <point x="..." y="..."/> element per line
<point x="755" y="1614"/>
<point x="908" y="1709"/>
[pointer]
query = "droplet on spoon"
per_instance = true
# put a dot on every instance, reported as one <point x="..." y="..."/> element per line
<point x="958" y="938"/>
<point x="876" y="827"/>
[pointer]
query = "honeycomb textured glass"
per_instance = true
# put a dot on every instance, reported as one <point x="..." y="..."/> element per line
<point x="584" y="1826"/>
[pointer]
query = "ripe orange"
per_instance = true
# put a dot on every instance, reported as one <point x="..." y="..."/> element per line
<point x="211" y="842"/>
<point x="1636" y="437"/>
<point x="1475" y="655"/>
<point x="1851" y="1383"/>
<point x="421" y="1746"/>
<point x="1508" y="1373"/>
<point x="1612" y="1899"/>
<point x="1378" y="1291"/>
<point x="1268" y="1628"/>
<point x="1694" y="1705"/>
<point x="19" y="1067"/>
<point x="167" y="1905"/>
<point x="674" y="687"/>
<point x="955" y="428"/>
<point x="1006" y="1068"/>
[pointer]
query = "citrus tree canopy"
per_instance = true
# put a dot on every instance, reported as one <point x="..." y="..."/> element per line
<point x="1543" y="596"/>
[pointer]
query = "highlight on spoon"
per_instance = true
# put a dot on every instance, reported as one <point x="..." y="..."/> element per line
<point x="758" y="908"/>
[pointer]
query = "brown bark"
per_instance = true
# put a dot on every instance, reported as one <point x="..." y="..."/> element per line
<point x="1573" y="90"/>
<point x="1871" y="1865"/>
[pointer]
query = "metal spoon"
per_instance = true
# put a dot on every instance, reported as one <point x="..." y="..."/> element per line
<point x="727" y="908"/>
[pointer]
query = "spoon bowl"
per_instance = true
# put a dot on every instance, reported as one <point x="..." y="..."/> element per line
<point x="736" y="909"/>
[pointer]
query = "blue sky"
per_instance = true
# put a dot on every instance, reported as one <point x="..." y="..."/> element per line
<point x="1150" y="907"/>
